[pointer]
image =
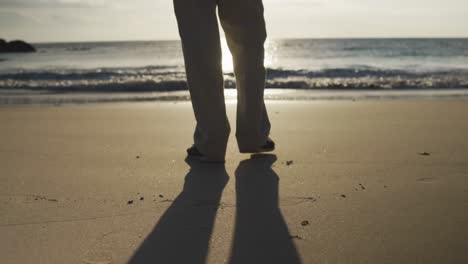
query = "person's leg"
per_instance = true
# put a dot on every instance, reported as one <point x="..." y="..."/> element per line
<point x="198" y="29"/>
<point x="244" y="25"/>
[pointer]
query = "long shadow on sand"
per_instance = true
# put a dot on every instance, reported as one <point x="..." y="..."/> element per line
<point x="261" y="234"/>
<point x="183" y="233"/>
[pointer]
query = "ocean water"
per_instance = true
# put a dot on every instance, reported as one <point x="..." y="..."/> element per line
<point x="296" y="69"/>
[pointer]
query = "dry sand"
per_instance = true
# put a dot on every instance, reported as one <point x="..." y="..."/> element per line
<point x="359" y="182"/>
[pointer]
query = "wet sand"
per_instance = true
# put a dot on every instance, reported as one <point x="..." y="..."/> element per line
<point x="351" y="182"/>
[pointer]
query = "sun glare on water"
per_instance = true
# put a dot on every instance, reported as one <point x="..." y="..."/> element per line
<point x="228" y="66"/>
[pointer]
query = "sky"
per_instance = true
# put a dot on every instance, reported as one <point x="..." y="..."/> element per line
<point x="107" y="20"/>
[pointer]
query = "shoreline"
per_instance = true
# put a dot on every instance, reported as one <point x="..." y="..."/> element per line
<point x="12" y="97"/>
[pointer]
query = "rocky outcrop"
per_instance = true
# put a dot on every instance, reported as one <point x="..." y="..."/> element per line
<point x="15" y="46"/>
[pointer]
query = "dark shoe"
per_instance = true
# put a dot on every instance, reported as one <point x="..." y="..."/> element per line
<point x="194" y="153"/>
<point x="267" y="147"/>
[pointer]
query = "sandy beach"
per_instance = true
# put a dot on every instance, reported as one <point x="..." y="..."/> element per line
<point x="351" y="182"/>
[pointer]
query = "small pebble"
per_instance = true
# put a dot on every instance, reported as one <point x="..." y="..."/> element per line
<point x="362" y="186"/>
<point x="344" y="196"/>
<point x="137" y="157"/>
<point x="142" y="198"/>
<point x="424" y="153"/>
<point x="130" y="202"/>
<point x="305" y="223"/>
<point x="289" y="162"/>
<point x="161" y="196"/>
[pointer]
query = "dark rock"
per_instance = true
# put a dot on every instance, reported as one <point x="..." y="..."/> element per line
<point x="161" y="196"/>
<point x="424" y="153"/>
<point x="130" y="202"/>
<point x="289" y="162"/>
<point x="137" y="157"/>
<point x="305" y="223"/>
<point x="344" y="196"/>
<point x="142" y="198"/>
<point x="15" y="46"/>
<point x="3" y="45"/>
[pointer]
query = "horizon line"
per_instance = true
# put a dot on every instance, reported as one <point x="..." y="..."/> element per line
<point x="275" y="38"/>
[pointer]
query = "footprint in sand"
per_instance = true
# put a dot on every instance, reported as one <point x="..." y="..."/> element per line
<point x="98" y="258"/>
<point x="111" y="247"/>
<point x="27" y="198"/>
<point x="426" y="179"/>
<point x="289" y="201"/>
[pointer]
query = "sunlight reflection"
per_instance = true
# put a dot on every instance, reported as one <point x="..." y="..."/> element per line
<point x="227" y="58"/>
<point x="230" y="95"/>
<point x="228" y="67"/>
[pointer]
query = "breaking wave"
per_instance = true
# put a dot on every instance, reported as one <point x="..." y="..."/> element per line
<point x="172" y="78"/>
